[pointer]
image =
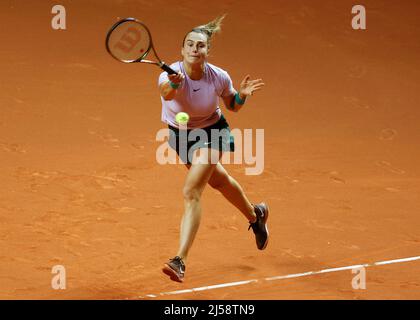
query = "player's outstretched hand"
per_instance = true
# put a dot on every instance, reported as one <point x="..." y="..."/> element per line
<point x="248" y="87"/>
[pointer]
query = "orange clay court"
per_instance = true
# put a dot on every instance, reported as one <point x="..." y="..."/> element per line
<point x="81" y="186"/>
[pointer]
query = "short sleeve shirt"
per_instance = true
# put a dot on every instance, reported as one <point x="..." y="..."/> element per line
<point x="198" y="98"/>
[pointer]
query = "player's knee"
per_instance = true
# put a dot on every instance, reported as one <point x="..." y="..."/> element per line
<point x="191" y="194"/>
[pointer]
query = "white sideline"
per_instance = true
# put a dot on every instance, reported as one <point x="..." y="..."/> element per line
<point x="289" y="276"/>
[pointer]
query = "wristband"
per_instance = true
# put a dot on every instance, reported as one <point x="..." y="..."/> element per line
<point x="173" y="85"/>
<point x="238" y="99"/>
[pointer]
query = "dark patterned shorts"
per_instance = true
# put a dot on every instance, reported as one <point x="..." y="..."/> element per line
<point x="216" y="136"/>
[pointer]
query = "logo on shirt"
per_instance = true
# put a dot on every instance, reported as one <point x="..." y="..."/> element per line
<point x="195" y="90"/>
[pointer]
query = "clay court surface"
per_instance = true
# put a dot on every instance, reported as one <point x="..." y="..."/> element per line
<point x="81" y="186"/>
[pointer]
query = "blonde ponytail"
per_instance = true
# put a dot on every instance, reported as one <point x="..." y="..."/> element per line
<point x="209" y="29"/>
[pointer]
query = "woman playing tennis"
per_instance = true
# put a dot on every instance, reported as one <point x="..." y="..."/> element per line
<point x="196" y="90"/>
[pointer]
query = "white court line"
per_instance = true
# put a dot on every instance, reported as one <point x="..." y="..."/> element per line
<point x="289" y="276"/>
<point x="217" y="286"/>
<point x="395" y="261"/>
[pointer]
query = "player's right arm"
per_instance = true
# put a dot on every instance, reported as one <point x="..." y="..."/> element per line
<point x="168" y="90"/>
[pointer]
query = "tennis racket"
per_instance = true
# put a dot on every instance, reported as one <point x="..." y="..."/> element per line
<point x="130" y="41"/>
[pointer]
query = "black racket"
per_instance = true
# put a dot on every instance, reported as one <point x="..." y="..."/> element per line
<point x="130" y="41"/>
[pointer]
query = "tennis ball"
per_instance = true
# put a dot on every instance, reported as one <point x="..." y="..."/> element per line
<point x="182" y="118"/>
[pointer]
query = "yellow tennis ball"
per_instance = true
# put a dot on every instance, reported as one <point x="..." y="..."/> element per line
<point x="182" y="118"/>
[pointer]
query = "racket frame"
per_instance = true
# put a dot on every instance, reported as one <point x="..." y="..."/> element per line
<point x="158" y="63"/>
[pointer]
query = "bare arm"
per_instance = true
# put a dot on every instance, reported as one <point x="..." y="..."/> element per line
<point x="230" y="103"/>
<point x="167" y="91"/>
<point x="246" y="89"/>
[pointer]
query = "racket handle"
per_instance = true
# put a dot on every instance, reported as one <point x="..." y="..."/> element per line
<point x="167" y="68"/>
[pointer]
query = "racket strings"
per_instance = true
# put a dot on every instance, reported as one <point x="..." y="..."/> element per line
<point x="129" y="41"/>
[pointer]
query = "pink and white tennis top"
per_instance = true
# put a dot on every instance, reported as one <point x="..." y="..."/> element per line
<point x="198" y="98"/>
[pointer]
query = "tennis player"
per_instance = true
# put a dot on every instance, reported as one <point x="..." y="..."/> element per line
<point x="196" y="89"/>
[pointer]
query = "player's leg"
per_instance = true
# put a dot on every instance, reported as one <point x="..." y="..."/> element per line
<point x="232" y="191"/>
<point x="256" y="214"/>
<point x="197" y="178"/>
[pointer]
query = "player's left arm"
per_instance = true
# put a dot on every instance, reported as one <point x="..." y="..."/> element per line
<point x="235" y="101"/>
